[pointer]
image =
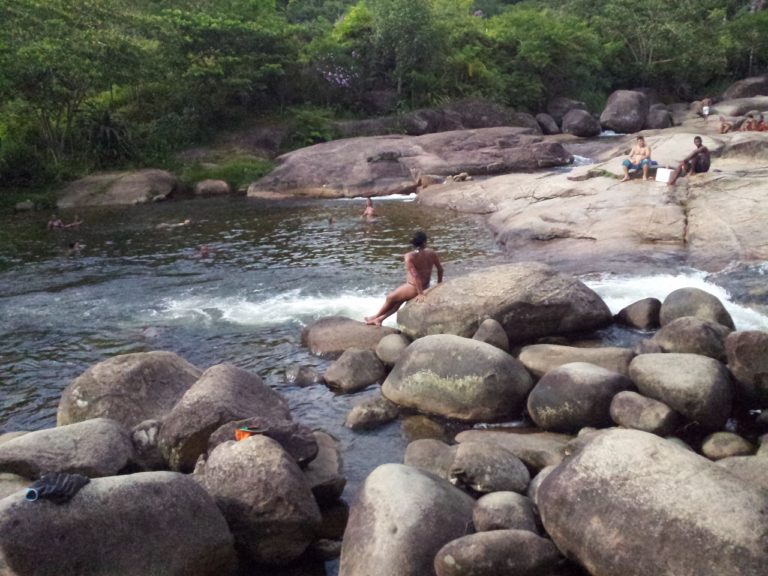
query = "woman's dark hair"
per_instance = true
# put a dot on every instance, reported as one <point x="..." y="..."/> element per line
<point x="419" y="239"/>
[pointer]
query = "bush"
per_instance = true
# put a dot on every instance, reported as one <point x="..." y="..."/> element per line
<point x="237" y="171"/>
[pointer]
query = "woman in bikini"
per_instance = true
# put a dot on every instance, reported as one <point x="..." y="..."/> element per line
<point x="418" y="273"/>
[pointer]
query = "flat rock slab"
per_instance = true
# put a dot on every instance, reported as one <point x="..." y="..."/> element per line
<point x="119" y="188"/>
<point x="332" y="335"/>
<point x="380" y="165"/>
<point x="537" y="450"/>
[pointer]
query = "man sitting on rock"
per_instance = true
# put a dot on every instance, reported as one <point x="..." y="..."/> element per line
<point x="639" y="158"/>
<point x="696" y="162"/>
<point x="418" y="273"/>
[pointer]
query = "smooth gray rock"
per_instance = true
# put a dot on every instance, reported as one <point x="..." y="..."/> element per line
<point x="530" y="300"/>
<point x="458" y="378"/>
<point x="98" y="447"/>
<point x="354" y="370"/>
<point x="389" y="535"/>
<point x="575" y="395"/>
<point x="747" y="353"/>
<point x="485" y="468"/>
<point x="12" y="483"/>
<point x="752" y="470"/>
<point x="129" y="388"/>
<point x="536" y="450"/>
<point x="559" y="106"/>
<point x="541" y="358"/>
<point x="547" y="124"/>
<point x="265" y="498"/>
<point x="696" y="387"/>
<point x="747" y="88"/>
<point x="371" y="413"/>
<point x="581" y="123"/>
<point x="682" y="513"/>
<point x="498" y="553"/>
<point x="721" y="445"/>
<point x="417" y="427"/>
<point x="330" y="336"/>
<point x="119" y="189"/>
<point x="633" y="410"/>
<point x="625" y="112"/>
<point x="390" y="348"/>
<point x="224" y="393"/>
<point x="691" y="335"/>
<point x="658" y="119"/>
<point x="325" y="474"/>
<point x="158" y="523"/>
<point x="694" y="302"/>
<point x="643" y="314"/>
<point x="431" y="455"/>
<point x="504" y="511"/>
<point x="492" y="332"/>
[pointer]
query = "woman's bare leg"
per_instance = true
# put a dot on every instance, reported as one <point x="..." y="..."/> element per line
<point x="392" y="303"/>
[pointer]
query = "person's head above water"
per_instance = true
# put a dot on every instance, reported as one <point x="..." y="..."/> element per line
<point x="369" y="201"/>
<point x="419" y="239"/>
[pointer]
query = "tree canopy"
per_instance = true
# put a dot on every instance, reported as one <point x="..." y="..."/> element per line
<point x="108" y="83"/>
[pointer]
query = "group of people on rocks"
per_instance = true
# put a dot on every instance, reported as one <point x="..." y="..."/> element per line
<point x="639" y="158"/>
<point x="750" y="124"/>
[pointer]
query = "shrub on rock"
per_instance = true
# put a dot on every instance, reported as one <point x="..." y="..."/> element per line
<point x="458" y="378"/>
<point x="129" y="388"/>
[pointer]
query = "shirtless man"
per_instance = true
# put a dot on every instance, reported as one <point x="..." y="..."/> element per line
<point x="695" y="163"/>
<point x="639" y="158"/>
<point x="418" y="273"/>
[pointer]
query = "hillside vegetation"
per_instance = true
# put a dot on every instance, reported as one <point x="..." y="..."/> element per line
<point x="103" y="84"/>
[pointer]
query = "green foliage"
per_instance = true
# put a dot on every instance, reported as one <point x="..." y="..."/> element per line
<point x="237" y="171"/>
<point x="310" y="125"/>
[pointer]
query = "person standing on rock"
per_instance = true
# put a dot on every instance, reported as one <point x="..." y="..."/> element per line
<point x="696" y="162"/>
<point x="639" y="158"/>
<point x="418" y="274"/>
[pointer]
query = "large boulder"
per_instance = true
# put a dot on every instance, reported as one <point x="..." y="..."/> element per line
<point x="747" y="353"/>
<point x="392" y="164"/>
<point x="559" y="106"/>
<point x="746" y="88"/>
<point x="223" y="393"/>
<point x="575" y="395"/>
<point x="695" y="386"/>
<point x="681" y="514"/>
<point x="159" y="523"/>
<point x="643" y="314"/>
<point x="458" y="378"/>
<point x="625" y="111"/>
<point x="119" y="188"/>
<point x="541" y="358"/>
<point x="371" y="413"/>
<point x="264" y="497"/>
<point x="400" y="519"/>
<point x="581" y="123"/>
<point x="658" y="119"/>
<point x="98" y="447"/>
<point x="501" y="552"/>
<point x="129" y="388"/>
<point x="530" y="300"/>
<point x="694" y="302"/>
<point x="332" y="335"/>
<point x="354" y="370"/>
<point x="537" y="450"/>
<point x="752" y="470"/>
<point x="691" y="335"/>
<point x="547" y="124"/>
<point x="432" y="455"/>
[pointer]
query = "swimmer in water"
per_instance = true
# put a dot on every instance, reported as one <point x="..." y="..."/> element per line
<point x="369" y="213"/>
<point x="418" y="273"/>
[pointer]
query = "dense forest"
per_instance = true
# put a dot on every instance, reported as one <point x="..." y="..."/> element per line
<point x="100" y="84"/>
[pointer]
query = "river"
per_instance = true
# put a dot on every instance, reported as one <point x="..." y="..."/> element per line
<point x="137" y="285"/>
